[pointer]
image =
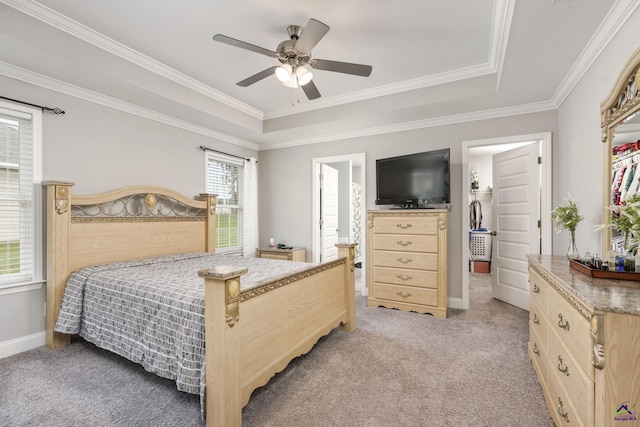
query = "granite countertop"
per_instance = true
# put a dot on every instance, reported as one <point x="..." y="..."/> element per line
<point x="620" y="296"/>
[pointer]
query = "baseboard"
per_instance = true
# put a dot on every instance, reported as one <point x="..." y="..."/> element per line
<point x="18" y="345"/>
<point x="455" y="303"/>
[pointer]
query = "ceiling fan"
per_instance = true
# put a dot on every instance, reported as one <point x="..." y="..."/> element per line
<point x="295" y="56"/>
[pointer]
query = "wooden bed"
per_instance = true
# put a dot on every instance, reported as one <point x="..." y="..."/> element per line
<point x="254" y="334"/>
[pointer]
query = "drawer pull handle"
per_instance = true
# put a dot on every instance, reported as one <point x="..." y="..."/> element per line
<point x="403" y="226"/>
<point x="561" y="411"/>
<point x="536" y="288"/>
<point x="407" y="295"/>
<point x="536" y="350"/>
<point x="404" y="260"/>
<point x="564" y="324"/>
<point x="562" y="367"/>
<point x="407" y="243"/>
<point x="535" y="319"/>
<point x="404" y="277"/>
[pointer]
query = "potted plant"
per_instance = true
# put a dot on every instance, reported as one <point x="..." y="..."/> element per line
<point x="568" y="217"/>
<point x="626" y="219"/>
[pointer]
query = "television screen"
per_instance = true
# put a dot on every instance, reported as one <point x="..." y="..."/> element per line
<point x="413" y="181"/>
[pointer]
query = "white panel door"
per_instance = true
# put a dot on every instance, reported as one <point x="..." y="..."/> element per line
<point x="516" y="214"/>
<point x="328" y="213"/>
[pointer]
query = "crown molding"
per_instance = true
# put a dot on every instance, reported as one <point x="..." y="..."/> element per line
<point x="46" y="82"/>
<point x="501" y="23"/>
<point x="417" y="124"/>
<point x="612" y="23"/>
<point x="501" y="26"/>
<point x="48" y="16"/>
<point x="390" y="89"/>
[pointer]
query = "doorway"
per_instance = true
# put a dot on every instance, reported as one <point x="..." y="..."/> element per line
<point x="491" y="147"/>
<point x="352" y="212"/>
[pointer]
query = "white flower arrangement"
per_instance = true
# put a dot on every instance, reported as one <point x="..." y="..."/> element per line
<point x="475" y="178"/>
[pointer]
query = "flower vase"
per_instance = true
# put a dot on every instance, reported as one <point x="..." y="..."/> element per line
<point x="572" y="252"/>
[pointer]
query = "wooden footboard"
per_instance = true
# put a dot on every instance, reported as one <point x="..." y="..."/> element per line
<point x="256" y="334"/>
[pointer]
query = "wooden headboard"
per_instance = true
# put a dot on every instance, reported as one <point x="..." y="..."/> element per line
<point x="129" y="223"/>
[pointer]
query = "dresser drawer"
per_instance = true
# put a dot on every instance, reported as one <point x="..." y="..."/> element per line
<point x="408" y="277"/>
<point x="409" y="243"/>
<point x="538" y="354"/>
<point x="538" y="323"/>
<point x="411" y="260"/>
<point x="538" y="288"/>
<point x="406" y="294"/>
<point x="563" y="403"/>
<point x="406" y="225"/>
<point x="579" y="388"/>
<point x="571" y="328"/>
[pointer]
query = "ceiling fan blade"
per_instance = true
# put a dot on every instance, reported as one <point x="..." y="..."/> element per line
<point x="341" y="67"/>
<point x="311" y="35"/>
<point x="311" y="90"/>
<point x="257" y="77"/>
<point x="244" y="45"/>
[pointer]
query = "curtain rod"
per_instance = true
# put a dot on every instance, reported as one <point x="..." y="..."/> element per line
<point x="55" y="110"/>
<point x="203" y="148"/>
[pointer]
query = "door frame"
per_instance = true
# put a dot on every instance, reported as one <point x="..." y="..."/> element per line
<point x="360" y="160"/>
<point x="545" y="196"/>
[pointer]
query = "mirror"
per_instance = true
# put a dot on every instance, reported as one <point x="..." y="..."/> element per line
<point x="620" y="122"/>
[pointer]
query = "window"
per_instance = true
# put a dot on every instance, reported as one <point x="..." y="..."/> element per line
<point x="225" y="178"/>
<point x="20" y="195"/>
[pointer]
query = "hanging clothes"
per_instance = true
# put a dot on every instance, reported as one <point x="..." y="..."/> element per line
<point x="475" y="215"/>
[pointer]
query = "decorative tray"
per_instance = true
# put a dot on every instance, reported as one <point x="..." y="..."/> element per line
<point x="603" y="274"/>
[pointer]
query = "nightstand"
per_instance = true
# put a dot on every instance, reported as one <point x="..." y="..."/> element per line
<point x="294" y="254"/>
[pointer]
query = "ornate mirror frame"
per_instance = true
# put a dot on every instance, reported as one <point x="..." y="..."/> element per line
<point x="623" y="102"/>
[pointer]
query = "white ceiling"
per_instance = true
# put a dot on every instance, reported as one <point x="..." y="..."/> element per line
<point x="433" y="62"/>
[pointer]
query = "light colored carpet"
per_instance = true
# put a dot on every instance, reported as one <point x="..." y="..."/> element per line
<point x="396" y="369"/>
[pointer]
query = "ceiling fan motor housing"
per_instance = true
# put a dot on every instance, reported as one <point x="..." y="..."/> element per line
<point x="286" y="51"/>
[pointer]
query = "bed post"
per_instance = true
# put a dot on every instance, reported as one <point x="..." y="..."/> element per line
<point x="348" y="250"/>
<point x="222" y="345"/>
<point x="210" y="226"/>
<point x="58" y="227"/>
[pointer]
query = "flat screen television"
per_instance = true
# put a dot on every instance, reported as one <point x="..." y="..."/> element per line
<point x="419" y="180"/>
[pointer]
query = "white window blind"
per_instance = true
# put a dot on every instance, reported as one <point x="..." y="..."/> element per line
<point x="20" y="228"/>
<point x="225" y="178"/>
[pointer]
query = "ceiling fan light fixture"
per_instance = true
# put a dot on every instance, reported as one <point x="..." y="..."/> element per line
<point x="284" y="72"/>
<point x="293" y="83"/>
<point x="303" y="75"/>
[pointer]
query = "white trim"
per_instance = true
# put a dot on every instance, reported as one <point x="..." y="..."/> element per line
<point x="14" y="288"/>
<point x="358" y="159"/>
<point x="50" y="83"/>
<point x="620" y="12"/>
<point x="84" y="33"/>
<point x="545" y="194"/>
<point x="386" y="90"/>
<point x="417" y="124"/>
<point x="456" y="303"/>
<point x="607" y="30"/>
<point x="18" y="345"/>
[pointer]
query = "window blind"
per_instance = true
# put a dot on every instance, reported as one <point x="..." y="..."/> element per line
<point x="17" y="198"/>
<point x="225" y="178"/>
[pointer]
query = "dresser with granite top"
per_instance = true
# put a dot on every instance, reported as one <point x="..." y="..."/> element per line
<point x="584" y="343"/>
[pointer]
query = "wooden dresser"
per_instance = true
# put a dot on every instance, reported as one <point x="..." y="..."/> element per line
<point x="584" y="344"/>
<point x="407" y="260"/>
